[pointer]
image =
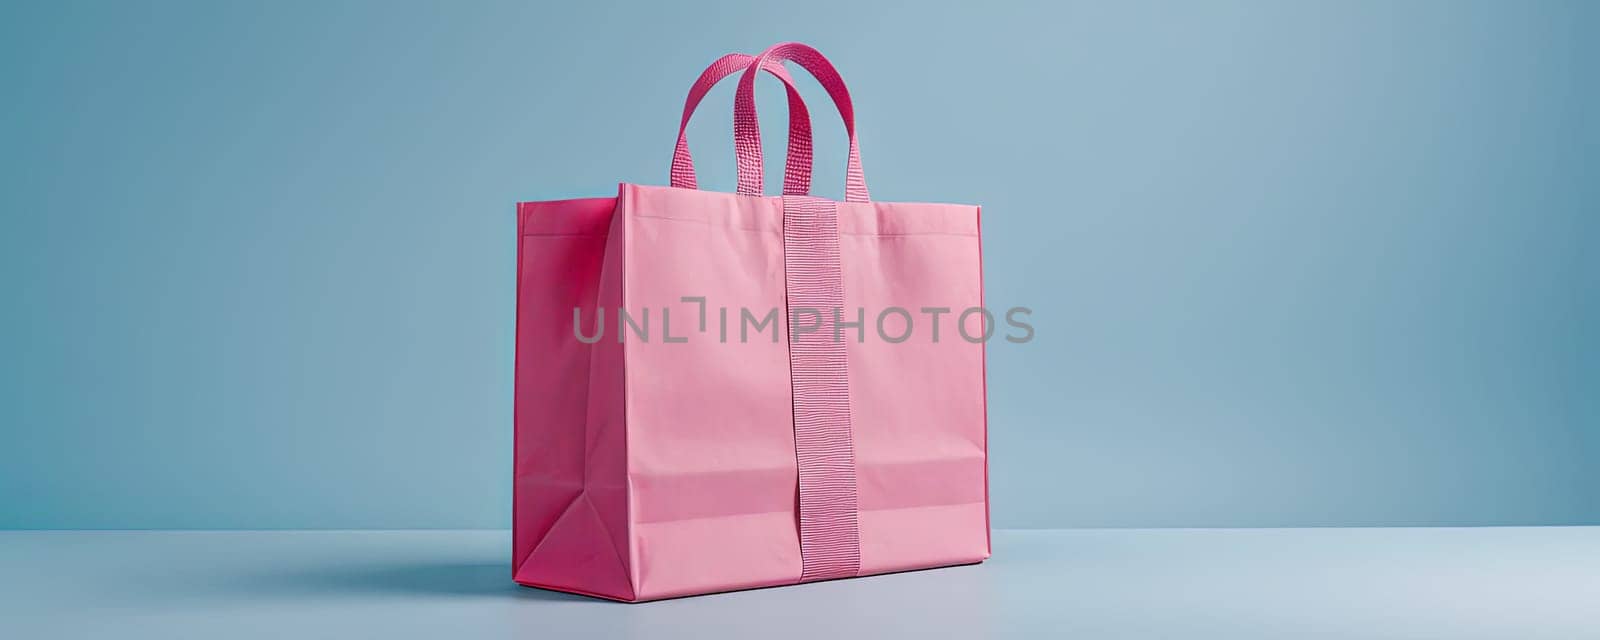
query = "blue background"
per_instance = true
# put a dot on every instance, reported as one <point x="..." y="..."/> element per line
<point x="1292" y="263"/>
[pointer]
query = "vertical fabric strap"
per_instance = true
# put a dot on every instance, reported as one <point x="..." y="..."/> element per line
<point x="830" y="540"/>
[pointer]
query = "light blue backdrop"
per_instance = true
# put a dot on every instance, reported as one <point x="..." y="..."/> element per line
<point x="1291" y="263"/>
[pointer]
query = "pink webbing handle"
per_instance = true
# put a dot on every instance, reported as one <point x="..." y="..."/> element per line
<point x="797" y="172"/>
<point x="747" y="129"/>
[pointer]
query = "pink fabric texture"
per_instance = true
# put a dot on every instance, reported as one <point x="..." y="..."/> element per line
<point x="830" y="541"/>
<point x="797" y="174"/>
<point x="747" y="129"/>
<point x="746" y="424"/>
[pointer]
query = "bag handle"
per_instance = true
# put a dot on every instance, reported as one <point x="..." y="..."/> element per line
<point x="747" y="129"/>
<point x="797" y="171"/>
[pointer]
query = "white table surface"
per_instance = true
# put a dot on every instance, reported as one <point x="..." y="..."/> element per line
<point x="1512" y="583"/>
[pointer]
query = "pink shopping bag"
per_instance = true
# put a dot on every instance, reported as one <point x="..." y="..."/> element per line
<point x="723" y="391"/>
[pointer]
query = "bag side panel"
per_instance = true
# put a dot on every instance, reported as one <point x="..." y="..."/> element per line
<point x="559" y="536"/>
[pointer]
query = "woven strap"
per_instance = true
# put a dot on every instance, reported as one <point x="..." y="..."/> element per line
<point x="797" y="173"/>
<point x="747" y="129"/>
<point x="830" y="540"/>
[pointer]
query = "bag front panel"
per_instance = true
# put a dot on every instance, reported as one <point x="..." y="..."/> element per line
<point x="711" y="447"/>
<point x="912" y="278"/>
<point x="710" y="435"/>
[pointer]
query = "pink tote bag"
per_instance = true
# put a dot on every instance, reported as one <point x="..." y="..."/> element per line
<point x="724" y="391"/>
